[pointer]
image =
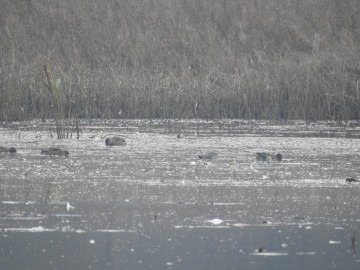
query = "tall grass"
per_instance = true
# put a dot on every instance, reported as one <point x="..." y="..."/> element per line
<point x="259" y="59"/>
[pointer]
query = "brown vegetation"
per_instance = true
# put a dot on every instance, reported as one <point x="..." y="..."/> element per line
<point x="260" y="59"/>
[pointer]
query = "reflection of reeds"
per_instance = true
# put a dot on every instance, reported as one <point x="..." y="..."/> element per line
<point x="46" y="190"/>
<point x="353" y="241"/>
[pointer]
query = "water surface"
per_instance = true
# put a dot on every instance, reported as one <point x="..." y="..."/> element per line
<point x="152" y="204"/>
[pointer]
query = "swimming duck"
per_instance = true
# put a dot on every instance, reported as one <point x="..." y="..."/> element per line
<point x="54" y="151"/>
<point x="118" y="141"/>
<point x="279" y="157"/>
<point x="262" y="156"/>
<point x="210" y="155"/>
<point x="350" y="179"/>
<point x="4" y="149"/>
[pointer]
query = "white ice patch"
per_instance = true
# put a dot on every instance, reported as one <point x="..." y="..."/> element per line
<point x="305" y="253"/>
<point x="270" y="254"/>
<point x="332" y="242"/>
<point x="32" y="229"/>
<point x="216" y="221"/>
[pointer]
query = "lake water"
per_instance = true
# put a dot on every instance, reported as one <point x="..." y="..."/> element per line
<point x="152" y="204"/>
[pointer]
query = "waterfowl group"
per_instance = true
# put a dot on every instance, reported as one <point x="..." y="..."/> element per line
<point x="4" y="149"/>
<point x="263" y="156"/>
<point x="55" y="151"/>
<point x="115" y="141"/>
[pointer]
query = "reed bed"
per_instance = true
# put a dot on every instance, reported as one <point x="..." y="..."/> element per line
<point x="255" y="59"/>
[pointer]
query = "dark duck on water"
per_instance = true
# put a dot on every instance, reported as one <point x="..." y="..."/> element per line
<point x="115" y="141"/>
<point x="54" y="151"/>
<point x="4" y="149"/>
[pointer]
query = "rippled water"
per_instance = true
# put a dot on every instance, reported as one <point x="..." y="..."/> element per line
<point x="152" y="204"/>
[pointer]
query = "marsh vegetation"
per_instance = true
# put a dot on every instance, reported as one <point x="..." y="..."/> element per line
<point x="254" y="59"/>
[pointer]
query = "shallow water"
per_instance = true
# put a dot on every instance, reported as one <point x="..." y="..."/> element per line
<point x="152" y="204"/>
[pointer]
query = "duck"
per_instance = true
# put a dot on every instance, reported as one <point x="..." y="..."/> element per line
<point x="118" y="141"/>
<point x="279" y="157"/>
<point x="54" y="151"/>
<point x="262" y="156"/>
<point x="208" y="156"/>
<point x="4" y="149"/>
<point x="350" y="180"/>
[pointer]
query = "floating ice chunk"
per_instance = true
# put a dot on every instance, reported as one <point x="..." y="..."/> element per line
<point x="216" y="221"/>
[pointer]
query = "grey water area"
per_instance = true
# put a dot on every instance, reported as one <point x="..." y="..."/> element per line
<point x="153" y="204"/>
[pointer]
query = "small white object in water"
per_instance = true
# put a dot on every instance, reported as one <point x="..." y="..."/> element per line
<point x="92" y="241"/>
<point x="69" y="207"/>
<point x="37" y="229"/>
<point x="334" y="242"/>
<point x="270" y="254"/>
<point x="193" y="163"/>
<point x="216" y="221"/>
<point x="284" y="245"/>
<point x="305" y="253"/>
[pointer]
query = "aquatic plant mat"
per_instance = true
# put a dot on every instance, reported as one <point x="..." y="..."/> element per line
<point x="152" y="204"/>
